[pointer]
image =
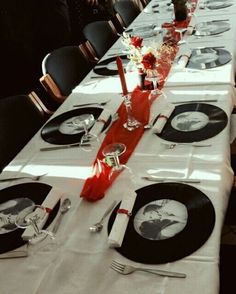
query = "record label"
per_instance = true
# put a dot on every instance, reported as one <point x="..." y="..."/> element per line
<point x="194" y="122"/>
<point x="169" y="221"/>
<point x="160" y="219"/>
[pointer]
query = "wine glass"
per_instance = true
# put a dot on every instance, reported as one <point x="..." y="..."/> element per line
<point x="112" y="153"/>
<point x="85" y="121"/>
<point x="131" y="123"/>
<point x="31" y="217"/>
<point x="181" y="31"/>
<point x="153" y="76"/>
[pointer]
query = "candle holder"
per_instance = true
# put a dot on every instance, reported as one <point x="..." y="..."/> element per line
<point x="131" y="123"/>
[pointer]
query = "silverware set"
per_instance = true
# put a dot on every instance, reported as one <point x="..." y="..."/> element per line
<point x="128" y="269"/>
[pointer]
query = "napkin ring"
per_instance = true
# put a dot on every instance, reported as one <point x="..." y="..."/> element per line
<point x="163" y="116"/>
<point x="124" y="211"/>
<point x="47" y="209"/>
<point x="101" y="120"/>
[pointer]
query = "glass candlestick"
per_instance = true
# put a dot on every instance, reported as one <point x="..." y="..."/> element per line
<point x="131" y="123"/>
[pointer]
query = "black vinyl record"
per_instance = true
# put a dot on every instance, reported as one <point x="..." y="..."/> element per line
<point x="54" y="131"/>
<point x="206" y="58"/>
<point x="194" y="122"/>
<point x="184" y="210"/>
<point x="210" y="28"/>
<point x="35" y="192"/>
<point x="108" y="67"/>
<point x="213" y="5"/>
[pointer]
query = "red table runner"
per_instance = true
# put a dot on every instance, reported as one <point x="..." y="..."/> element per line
<point x="96" y="186"/>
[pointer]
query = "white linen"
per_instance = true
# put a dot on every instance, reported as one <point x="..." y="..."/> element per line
<point x="184" y="58"/>
<point x="162" y="118"/>
<point x="100" y="122"/>
<point x="117" y="233"/>
<point x="83" y="259"/>
<point x="49" y="203"/>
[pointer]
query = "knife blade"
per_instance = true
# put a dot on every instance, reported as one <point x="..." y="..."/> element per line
<point x="194" y="101"/>
<point x="159" y="179"/>
<point x="14" y="254"/>
<point x="64" y="147"/>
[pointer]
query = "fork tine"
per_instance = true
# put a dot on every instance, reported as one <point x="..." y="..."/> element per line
<point x="117" y="265"/>
<point x="116" y="269"/>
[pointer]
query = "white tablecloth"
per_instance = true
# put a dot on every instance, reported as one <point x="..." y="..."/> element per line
<point x="81" y="261"/>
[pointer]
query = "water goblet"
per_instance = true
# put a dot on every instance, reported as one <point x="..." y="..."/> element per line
<point x="85" y="121"/>
<point x="32" y="216"/>
<point x="153" y="76"/>
<point x="112" y="153"/>
<point x="131" y="122"/>
<point x="181" y="31"/>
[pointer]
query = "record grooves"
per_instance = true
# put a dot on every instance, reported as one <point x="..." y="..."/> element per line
<point x="51" y="131"/>
<point x="37" y="192"/>
<point x="102" y="68"/>
<point x="199" y="225"/>
<point x="194" y="122"/>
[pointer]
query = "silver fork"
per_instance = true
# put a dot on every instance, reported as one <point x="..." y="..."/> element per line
<point x="173" y="145"/>
<point x="33" y="178"/>
<point x="93" y="103"/>
<point x="128" y="269"/>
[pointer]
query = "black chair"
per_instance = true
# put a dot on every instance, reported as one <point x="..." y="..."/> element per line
<point x="100" y="36"/>
<point x="63" y="69"/>
<point x="20" y="118"/>
<point x="126" y="12"/>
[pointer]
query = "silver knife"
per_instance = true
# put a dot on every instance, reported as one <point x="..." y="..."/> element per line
<point x="156" y="179"/>
<point x="14" y="254"/>
<point x="192" y="101"/>
<point x="64" y="147"/>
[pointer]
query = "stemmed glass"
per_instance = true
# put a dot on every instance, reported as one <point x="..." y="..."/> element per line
<point x="112" y="153"/>
<point x="84" y="122"/>
<point x="153" y="76"/>
<point x="131" y="123"/>
<point x="31" y="217"/>
<point x="181" y="31"/>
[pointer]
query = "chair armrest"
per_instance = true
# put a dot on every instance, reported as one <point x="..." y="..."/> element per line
<point x="51" y="87"/>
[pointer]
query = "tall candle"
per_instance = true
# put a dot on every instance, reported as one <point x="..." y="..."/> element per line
<point x="121" y="75"/>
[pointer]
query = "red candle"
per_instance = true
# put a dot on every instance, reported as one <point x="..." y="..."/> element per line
<point x="122" y="75"/>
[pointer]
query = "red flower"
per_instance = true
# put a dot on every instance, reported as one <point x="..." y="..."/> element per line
<point x="136" y="42"/>
<point x="149" y="61"/>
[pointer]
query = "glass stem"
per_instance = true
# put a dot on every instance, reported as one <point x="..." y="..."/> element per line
<point x="128" y="106"/>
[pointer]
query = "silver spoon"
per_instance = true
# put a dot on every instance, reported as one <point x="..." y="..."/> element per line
<point x="98" y="226"/>
<point x="65" y="206"/>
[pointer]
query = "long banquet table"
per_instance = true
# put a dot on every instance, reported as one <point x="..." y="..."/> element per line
<point x="81" y="261"/>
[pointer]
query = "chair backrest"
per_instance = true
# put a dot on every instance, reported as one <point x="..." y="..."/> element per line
<point x="20" y="119"/>
<point x="63" y="69"/>
<point x="126" y="12"/>
<point x="101" y="35"/>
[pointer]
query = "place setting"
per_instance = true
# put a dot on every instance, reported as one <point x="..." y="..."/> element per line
<point x="163" y="218"/>
<point x="30" y="213"/>
<point x="215" y="5"/>
<point x="79" y="127"/>
<point x="211" y="28"/>
<point x="194" y="122"/>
